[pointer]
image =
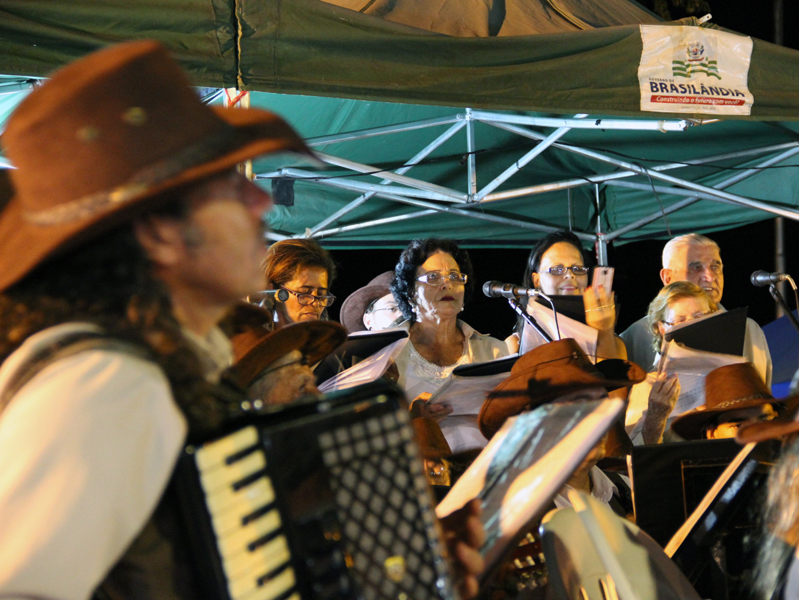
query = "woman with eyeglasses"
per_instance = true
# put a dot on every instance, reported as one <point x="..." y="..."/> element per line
<point x="557" y="266"/>
<point x="652" y="400"/>
<point x="431" y="281"/>
<point x="305" y="271"/>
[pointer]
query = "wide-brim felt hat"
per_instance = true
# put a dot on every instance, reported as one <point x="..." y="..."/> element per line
<point x="548" y="372"/>
<point x="731" y="387"/>
<point x="105" y="139"/>
<point x="353" y="308"/>
<point x="256" y="348"/>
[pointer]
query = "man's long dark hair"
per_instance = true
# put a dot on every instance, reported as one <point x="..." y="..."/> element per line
<point x="108" y="281"/>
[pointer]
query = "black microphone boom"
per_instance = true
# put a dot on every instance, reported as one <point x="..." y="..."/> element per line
<point x="764" y="279"/>
<point x="496" y="289"/>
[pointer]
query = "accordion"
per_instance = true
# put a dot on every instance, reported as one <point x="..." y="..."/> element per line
<point x="315" y="500"/>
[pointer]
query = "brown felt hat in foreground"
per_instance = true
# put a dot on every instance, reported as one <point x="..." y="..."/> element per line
<point x="255" y="347"/>
<point x="547" y="372"/>
<point x="731" y="387"/>
<point x="104" y="139"/>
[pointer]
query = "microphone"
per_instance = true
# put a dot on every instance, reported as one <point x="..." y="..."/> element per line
<point x="496" y="289"/>
<point x="279" y="295"/>
<point x="763" y="279"/>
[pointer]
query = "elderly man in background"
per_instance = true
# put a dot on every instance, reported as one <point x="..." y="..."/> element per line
<point x="696" y="258"/>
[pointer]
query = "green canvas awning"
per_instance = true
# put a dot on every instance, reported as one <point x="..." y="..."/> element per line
<point x="331" y="70"/>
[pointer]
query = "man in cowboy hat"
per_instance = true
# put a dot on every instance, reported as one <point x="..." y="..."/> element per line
<point x="128" y="236"/>
<point x="734" y="395"/>
<point x="275" y="366"/>
<point x="371" y="307"/>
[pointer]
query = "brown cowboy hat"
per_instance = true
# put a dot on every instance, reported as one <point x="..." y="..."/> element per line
<point x="547" y="372"/>
<point x="106" y="137"/>
<point x="731" y="387"/>
<point x="255" y="347"/>
<point x="353" y="308"/>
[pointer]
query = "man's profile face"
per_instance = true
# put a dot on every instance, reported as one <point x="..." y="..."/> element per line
<point x="699" y="264"/>
<point x="384" y="314"/>
<point x="285" y="380"/>
<point x="224" y="237"/>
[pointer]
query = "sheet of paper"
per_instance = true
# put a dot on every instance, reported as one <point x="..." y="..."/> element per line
<point x="692" y="367"/>
<point x="466" y="394"/>
<point x="525" y="465"/>
<point x="365" y="371"/>
<point x="584" y="335"/>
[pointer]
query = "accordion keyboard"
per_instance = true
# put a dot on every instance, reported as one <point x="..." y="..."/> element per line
<point x="253" y="550"/>
<point x="322" y="501"/>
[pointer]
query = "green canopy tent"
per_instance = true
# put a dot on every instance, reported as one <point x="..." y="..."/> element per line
<point x="426" y="133"/>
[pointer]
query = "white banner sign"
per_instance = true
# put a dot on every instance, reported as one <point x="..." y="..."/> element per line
<point x="694" y="70"/>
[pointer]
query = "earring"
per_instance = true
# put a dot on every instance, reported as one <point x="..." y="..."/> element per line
<point x="462" y="307"/>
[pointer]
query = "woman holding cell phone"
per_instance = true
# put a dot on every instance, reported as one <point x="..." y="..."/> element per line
<point x="557" y="266"/>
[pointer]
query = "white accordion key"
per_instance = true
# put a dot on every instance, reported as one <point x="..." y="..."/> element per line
<point x="238" y="540"/>
<point x="214" y="454"/>
<point x="263" y="559"/>
<point x="230" y="474"/>
<point x="277" y="586"/>
<point x="244" y="500"/>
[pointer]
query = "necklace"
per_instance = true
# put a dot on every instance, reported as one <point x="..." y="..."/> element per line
<point x="430" y="372"/>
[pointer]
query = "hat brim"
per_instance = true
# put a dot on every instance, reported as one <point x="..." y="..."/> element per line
<point x="689" y="425"/>
<point x="514" y="395"/>
<point x="781" y="425"/>
<point x="355" y="305"/>
<point x="254" y="133"/>
<point x="315" y="339"/>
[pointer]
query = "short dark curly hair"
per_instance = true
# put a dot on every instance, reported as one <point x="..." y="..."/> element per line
<point x="403" y="286"/>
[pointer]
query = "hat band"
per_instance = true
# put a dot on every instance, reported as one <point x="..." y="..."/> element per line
<point x="147" y="178"/>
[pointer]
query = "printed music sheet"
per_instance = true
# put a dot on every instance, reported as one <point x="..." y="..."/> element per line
<point x="585" y="335"/>
<point x="525" y="465"/>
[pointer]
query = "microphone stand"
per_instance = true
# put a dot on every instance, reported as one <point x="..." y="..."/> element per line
<point x="775" y="293"/>
<point x="514" y="304"/>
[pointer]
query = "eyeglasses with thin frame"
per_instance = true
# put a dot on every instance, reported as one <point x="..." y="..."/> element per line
<point x="578" y="270"/>
<point x="438" y="277"/>
<point x="391" y="308"/>
<point x="680" y="320"/>
<point x="308" y="299"/>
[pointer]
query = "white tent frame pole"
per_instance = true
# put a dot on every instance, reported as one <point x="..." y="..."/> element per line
<point x="579" y="182"/>
<point x="420" y="193"/>
<point x="522" y="162"/>
<point x="385" y="193"/>
<point x="359" y="186"/>
<point x="401" y="171"/>
<point x="473" y="215"/>
<point x="726" y="183"/>
<point x="441" y="193"/>
<point x="601" y="242"/>
<point x="361" y="134"/>
<point x="471" y="161"/>
<point x="734" y="198"/>
<point x="375" y="223"/>
<point x="580" y="123"/>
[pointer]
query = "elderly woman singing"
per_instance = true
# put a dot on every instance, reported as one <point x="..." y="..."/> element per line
<point x="431" y="281"/>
